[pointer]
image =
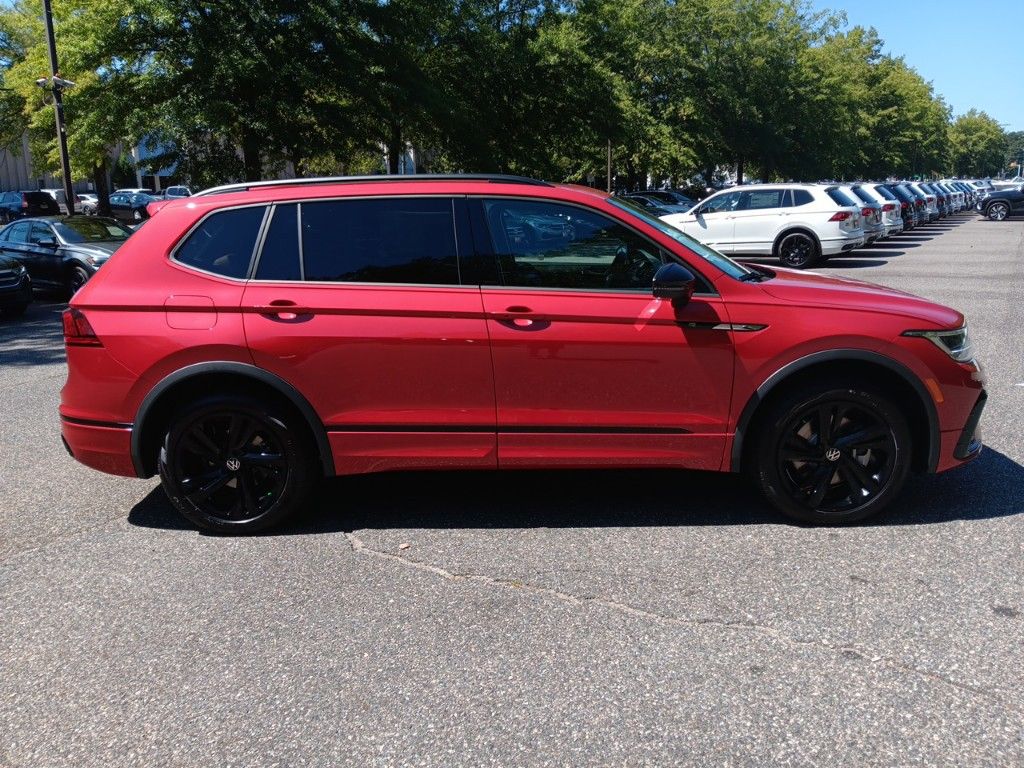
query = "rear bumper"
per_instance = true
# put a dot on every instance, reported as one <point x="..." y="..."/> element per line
<point x="833" y="245"/>
<point x="100" y="445"/>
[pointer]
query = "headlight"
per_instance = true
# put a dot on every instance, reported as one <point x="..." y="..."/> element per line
<point x="956" y="343"/>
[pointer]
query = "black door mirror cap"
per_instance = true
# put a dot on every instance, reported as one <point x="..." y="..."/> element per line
<point x="674" y="281"/>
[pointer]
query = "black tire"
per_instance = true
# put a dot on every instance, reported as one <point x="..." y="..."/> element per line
<point x="235" y="464"/>
<point x="997" y="211"/>
<point x="14" y="310"/>
<point x="797" y="250"/>
<point x="77" y="277"/>
<point x="851" y="473"/>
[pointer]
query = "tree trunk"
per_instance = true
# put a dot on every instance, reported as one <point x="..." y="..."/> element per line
<point x="739" y="171"/>
<point x="251" y="159"/>
<point x="99" y="180"/>
<point x="394" y="146"/>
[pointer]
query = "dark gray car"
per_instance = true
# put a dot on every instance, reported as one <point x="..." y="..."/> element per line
<point x="62" y="253"/>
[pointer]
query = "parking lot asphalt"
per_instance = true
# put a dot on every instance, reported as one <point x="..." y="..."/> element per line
<point x="571" y="618"/>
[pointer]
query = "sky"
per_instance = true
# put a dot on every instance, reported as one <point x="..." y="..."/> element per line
<point x="972" y="51"/>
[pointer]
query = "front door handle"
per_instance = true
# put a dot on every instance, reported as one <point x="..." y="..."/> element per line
<point x="519" y="317"/>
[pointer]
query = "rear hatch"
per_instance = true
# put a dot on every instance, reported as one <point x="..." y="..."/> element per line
<point x="39" y="203"/>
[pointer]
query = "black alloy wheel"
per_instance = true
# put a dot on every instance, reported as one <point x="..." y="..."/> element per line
<point x="235" y="465"/>
<point x="834" y="456"/>
<point x="797" y="250"/>
<point x="997" y="211"/>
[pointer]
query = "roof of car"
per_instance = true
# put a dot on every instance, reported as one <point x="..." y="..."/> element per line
<point x="352" y="186"/>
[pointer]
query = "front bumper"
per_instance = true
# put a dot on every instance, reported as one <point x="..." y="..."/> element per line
<point x="17" y="294"/>
<point x="969" y="444"/>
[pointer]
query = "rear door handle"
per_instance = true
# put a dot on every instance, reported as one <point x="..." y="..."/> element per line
<point x="283" y="309"/>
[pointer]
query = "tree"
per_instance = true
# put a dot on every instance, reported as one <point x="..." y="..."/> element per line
<point x="977" y="145"/>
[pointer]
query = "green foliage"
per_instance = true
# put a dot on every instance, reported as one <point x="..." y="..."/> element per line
<point x="241" y="88"/>
<point x="977" y="145"/>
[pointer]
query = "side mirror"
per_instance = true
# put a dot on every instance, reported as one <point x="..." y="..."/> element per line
<point x="47" y="242"/>
<point x="674" y="281"/>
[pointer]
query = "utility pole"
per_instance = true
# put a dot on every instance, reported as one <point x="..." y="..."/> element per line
<point x="609" y="163"/>
<point x="57" y="87"/>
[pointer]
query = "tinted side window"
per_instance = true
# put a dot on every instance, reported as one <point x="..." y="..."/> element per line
<point x="40" y="232"/>
<point x="19" y="232"/>
<point x="223" y="243"/>
<point x="840" y="198"/>
<point x="802" y="197"/>
<point x="385" y="240"/>
<point x="279" y="259"/>
<point x="548" y="245"/>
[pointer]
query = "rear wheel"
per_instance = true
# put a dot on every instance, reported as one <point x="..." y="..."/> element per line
<point x="831" y="454"/>
<point x="998" y="211"/>
<point x="797" y="250"/>
<point x="235" y="464"/>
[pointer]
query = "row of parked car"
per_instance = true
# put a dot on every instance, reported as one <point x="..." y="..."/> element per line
<point x="128" y="205"/>
<point x="803" y="224"/>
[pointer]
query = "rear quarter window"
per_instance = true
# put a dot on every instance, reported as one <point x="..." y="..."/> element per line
<point x="223" y="243"/>
<point x="840" y="198"/>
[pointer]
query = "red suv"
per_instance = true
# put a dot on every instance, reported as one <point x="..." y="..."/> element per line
<point x="254" y="338"/>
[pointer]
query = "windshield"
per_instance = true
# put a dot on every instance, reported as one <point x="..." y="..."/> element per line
<point x="724" y="263"/>
<point x="79" y="229"/>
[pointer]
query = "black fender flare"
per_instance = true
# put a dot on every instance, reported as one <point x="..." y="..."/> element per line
<point x="834" y="355"/>
<point x="282" y="387"/>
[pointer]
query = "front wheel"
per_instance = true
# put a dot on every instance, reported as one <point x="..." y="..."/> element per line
<point x="998" y="211"/>
<point x="77" y="277"/>
<point x="235" y="464"/>
<point x="831" y="454"/>
<point x="797" y="250"/>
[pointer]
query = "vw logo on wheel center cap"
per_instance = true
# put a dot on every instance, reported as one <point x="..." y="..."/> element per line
<point x="234" y="464"/>
<point x="832" y="454"/>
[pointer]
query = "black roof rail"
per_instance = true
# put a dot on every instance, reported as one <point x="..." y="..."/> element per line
<point x="496" y="178"/>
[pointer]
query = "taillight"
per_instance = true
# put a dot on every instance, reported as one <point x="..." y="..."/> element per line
<point x="919" y="203"/>
<point x="24" y="201"/>
<point x="841" y="216"/>
<point x="865" y="211"/>
<point x="77" y="331"/>
<point x="904" y="205"/>
<point x="889" y="207"/>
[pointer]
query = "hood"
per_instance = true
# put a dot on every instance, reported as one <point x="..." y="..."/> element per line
<point x="99" y="249"/>
<point x="811" y="289"/>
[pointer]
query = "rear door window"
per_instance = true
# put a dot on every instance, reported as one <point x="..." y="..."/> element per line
<point x="381" y="240"/>
<point x="760" y="199"/>
<point x="19" y="232"/>
<point x="279" y="257"/>
<point x="224" y="242"/>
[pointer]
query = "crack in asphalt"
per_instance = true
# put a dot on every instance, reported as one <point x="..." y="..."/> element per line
<point x="848" y="650"/>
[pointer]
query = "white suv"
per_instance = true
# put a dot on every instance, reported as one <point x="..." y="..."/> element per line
<point x="796" y="223"/>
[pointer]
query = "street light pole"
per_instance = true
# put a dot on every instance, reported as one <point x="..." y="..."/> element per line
<point x="58" y="108"/>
